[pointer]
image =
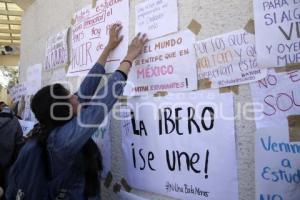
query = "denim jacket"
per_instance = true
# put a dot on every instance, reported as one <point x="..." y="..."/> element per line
<point x="65" y="142"/>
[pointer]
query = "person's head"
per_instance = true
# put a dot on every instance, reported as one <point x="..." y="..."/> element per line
<point x="54" y="106"/>
<point x="2" y="105"/>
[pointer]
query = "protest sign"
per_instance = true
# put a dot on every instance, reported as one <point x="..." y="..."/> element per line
<point x="228" y="59"/>
<point x="180" y="145"/>
<point x="129" y="196"/>
<point x="27" y="126"/>
<point x="277" y="165"/>
<point x="278" y="96"/>
<point x="103" y="141"/>
<point x="156" y="18"/>
<point x="17" y="92"/>
<point x="277" y="30"/>
<point x="165" y="64"/>
<point x="90" y="35"/>
<point x="57" y="50"/>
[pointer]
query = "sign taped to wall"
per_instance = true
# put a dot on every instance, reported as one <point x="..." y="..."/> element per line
<point x="228" y="59"/>
<point x="276" y="97"/>
<point x="156" y="18"/>
<point x="277" y="29"/>
<point x="57" y="50"/>
<point x="90" y="34"/>
<point x="180" y="145"/>
<point x="277" y="165"/>
<point x="165" y="64"/>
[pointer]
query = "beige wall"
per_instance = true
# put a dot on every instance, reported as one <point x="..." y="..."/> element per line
<point x="46" y="17"/>
<point x="9" y="60"/>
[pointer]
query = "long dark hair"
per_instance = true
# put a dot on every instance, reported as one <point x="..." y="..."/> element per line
<point x="52" y="117"/>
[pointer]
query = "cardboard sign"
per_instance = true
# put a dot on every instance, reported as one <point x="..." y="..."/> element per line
<point x="277" y="165"/>
<point x="276" y="97"/>
<point x="103" y="141"/>
<point x="156" y="18"/>
<point x="277" y="29"/>
<point x="180" y="145"/>
<point x="166" y="64"/>
<point x="27" y="126"/>
<point x="90" y="35"/>
<point x="228" y="59"/>
<point x="57" y="50"/>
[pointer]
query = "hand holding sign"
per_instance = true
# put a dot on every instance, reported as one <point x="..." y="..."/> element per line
<point x="136" y="46"/>
<point x="114" y="36"/>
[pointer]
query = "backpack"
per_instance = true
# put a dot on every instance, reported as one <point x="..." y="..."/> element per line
<point x="28" y="178"/>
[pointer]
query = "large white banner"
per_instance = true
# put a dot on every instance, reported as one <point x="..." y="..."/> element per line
<point x="57" y="50"/>
<point x="181" y="145"/>
<point x="276" y="97"/>
<point x="228" y="59"/>
<point x="277" y="30"/>
<point x="156" y="17"/>
<point x="166" y="64"/>
<point x="90" y="35"/>
<point x="277" y="165"/>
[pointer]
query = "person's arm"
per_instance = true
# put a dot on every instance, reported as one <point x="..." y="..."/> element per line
<point x="70" y="138"/>
<point x="90" y="83"/>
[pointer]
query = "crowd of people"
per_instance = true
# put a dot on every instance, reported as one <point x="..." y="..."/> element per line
<point x="59" y="160"/>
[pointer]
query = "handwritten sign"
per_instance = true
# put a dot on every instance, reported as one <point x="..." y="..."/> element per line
<point x="228" y="59"/>
<point x="90" y="34"/>
<point x="156" y="18"/>
<point x="57" y="50"/>
<point x="277" y="165"/>
<point x="277" y="29"/>
<point x="181" y="145"/>
<point x="27" y="126"/>
<point x="103" y="141"/>
<point x="17" y="92"/>
<point x="166" y="64"/>
<point x="277" y="96"/>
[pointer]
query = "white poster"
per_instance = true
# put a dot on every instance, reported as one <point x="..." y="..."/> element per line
<point x="129" y="196"/>
<point x="156" y="17"/>
<point x="276" y="97"/>
<point x="103" y="141"/>
<point x="277" y="30"/>
<point x="27" y="126"/>
<point x="33" y="78"/>
<point x="166" y="64"/>
<point x="57" y="50"/>
<point x="277" y="165"/>
<point x="90" y="35"/>
<point x="17" y="92"/>
<point x="229" y="59"/>
<point x="181" y="145"/>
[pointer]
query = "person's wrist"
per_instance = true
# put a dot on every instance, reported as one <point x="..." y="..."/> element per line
<point x="129" y="58"/>
<point x="108" y="48"/>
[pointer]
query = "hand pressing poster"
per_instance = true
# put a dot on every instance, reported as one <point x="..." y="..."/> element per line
<point x="156" y="18"/>
<point x="57" y="50"/>
<point x="165" y="64"/>
<point x="277" y="30"/>
<point x="181" y="145"/>
<point x="277" y="165"/>
<point x="228" y="59"/>
<point x="90" y="35"/>
<point x="276" y="97"/>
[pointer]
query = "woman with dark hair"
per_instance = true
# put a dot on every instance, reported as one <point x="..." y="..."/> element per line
<point x="64" y="130"/>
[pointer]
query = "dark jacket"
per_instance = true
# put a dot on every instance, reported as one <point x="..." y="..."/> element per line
<point x="65" y="143"/>
<point x="11" y="139"/>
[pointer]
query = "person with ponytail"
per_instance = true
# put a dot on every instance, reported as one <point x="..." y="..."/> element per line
<point x="67" y="122"/>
